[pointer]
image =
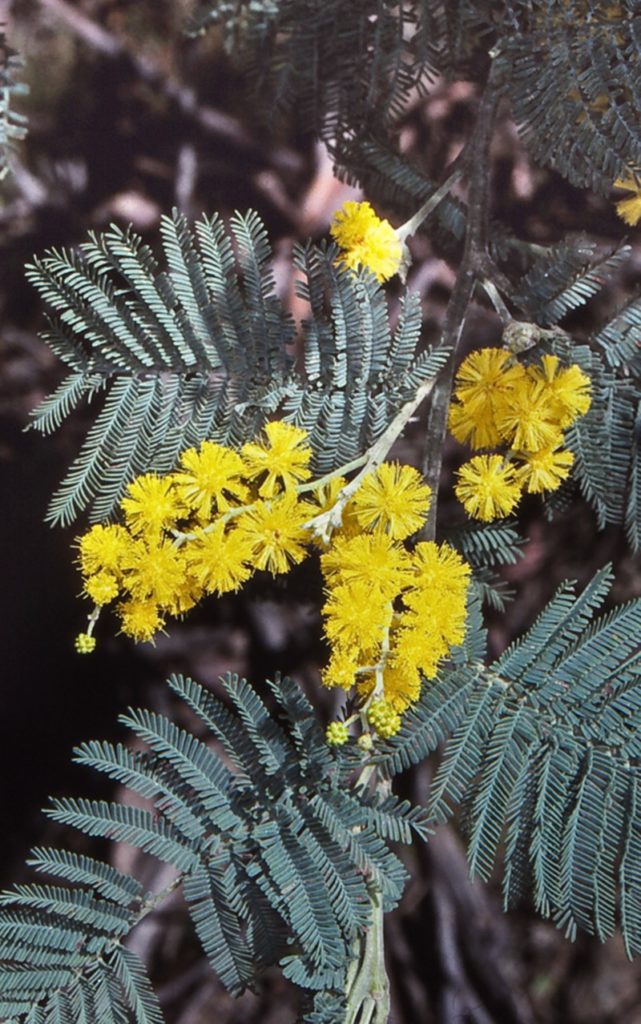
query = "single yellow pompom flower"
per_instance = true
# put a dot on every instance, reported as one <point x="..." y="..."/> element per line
<point x="84" y="643"/>
<point x="274" y="532"/>
<point x="629" y="210"/>
<point x="382" y="717"/>
<point x="282" y="460"/>
<point x="336" y="734"/>
<point x="210" y="476"/>
<point x="488" y="487"/>
<point x="154" y="571"/>
<point x="151" y="505"/>
<point x="401" y="686"/>
<point x="546" y="469"/>
<point x="394" y="499"/>
<point x="567" y="388"/>
<point x="140" y="620"/>
<point x="366" y="240"/>
<point x="528" y="419"/>
<point x="102" y="548"/>
<point x="474" y="426"/>
<point x="372" y="558"/>
<point x="101" y="587"/>
<point x="483" y="381"/>
<point x="220" y="560"/>
<point x="341" y="669"/>
<point x="356" y="616"/>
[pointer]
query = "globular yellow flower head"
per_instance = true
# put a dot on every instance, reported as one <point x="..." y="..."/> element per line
<point x="546" y="469"/>
<point x="394" y="499"/>
<point x="274" y="533"/>
<point x="356" y="616"/>
<point x="486" y="378"/>
<point x="154" y="571"/>
<point x="488" y="487"/>
<point x="567" y="389"/>
<point x="280" y="462"/>
<point x="140" y="620"/>
<point x="102" y="549"/>
<point x="102" y="587"/>
<point x="527" y="421"/>
<point x="370" y="558"/>
<point x="629" y="210"/>
<point x="210" y="476"/>
<point x="474" y="428"/>
<point x="220" y="559"/>
<point x="366" y="240"/>
<point x="341" y="668"/>
<point x="151" y="505"/>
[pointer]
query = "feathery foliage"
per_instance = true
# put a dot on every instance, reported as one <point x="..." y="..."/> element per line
<point x="275" y="855"/>
<point x="542" y="752"/>
<point x="200" y="349"/>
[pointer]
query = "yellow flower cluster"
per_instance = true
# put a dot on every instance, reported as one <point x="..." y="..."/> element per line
<point x="391" y="615"/>
<point x="366" y="240"/>
<point x="500" y="403"/>
<point x="204" y="529"/>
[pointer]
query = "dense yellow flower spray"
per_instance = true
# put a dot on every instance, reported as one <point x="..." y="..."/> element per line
<point x="525" y="409"/>
<point x="391" y="614"/>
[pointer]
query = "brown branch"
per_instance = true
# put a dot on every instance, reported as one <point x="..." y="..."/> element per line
<point x="474" y="266"/>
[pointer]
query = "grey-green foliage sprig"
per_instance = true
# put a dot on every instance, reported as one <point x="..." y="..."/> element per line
<point x="572" y="72"/>
<point x="275" y="851"/>
<point x="199" y="347"/>
<point x="341" y="65"/>
<point x="13" y="125"/>
<point x="542" y="753"/>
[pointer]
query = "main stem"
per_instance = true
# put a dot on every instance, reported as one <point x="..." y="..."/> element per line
<point x="368" y="1000"/>
<point x="475" y="265"/>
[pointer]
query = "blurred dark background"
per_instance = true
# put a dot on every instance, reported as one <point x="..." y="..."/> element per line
<point x="128" y="118"/>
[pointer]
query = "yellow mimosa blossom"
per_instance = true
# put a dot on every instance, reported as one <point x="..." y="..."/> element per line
<point x="418" y="643"/>
<point x="567" y="389"/>
<point x="393" y="498"/>
<point x="477" y="427"/>
<point x="527" y="420"/>
<point x="488" y="488"/>
<point x="341" y="669"/>
<point x="401" y="686"/>
<point x="102" y="587"/>
<point x="484" y="380"/>
<point x="438" y="567"/>
<point x="356" y="616"/>
<point x="220" y="559"/>
<point x="366" y="240"/>
<point x="140" y="620"/>
<point x="629" y="210"/>
<point x="151" y="505"/>
<point x="374" y="559"/>
<point x="154" y="571"/>
<point x="209" y="476"/>
<point x="102" y="548"/>
<point x="546" y="469"/>
<point x="282" y="461"/>
<point x="273" y="531"/>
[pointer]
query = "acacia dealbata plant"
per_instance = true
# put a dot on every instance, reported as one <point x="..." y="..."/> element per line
<point x="216" y="454"/>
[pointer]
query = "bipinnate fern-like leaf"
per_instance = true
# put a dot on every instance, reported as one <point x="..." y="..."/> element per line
<point x="199" y="348"/>
<point x="542" y="752"/>
<point x="572" y="73"/>
<point x="343" y="67"/>
<point x="13" y="125"/>
<point x="275" y="852"/>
